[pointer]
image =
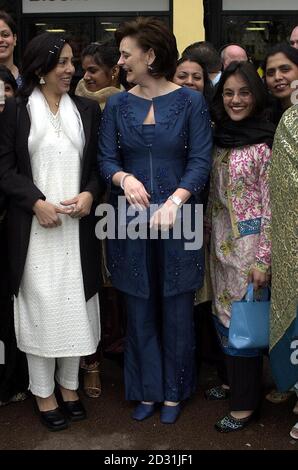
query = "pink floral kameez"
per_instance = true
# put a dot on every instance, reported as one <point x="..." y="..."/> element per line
<point x="239" y="212"/>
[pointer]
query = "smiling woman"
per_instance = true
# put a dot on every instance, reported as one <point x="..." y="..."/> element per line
<point x="281" y="70"/>
<point x="55" y="262"/>
<point x="8" y="40"/>
<point x="101" y="72"/>
<point x="238" y="219"/>
<point x="192" y="73"/>
<point x="189" y="74"/>
<point x="238" y="100"/>
<point x="155" y="148"/>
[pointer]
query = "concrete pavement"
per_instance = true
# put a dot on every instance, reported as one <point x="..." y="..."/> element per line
<point x="109" y="425"/>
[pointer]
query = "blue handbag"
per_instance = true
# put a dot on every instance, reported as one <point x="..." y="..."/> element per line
<point x="249" y="327"/>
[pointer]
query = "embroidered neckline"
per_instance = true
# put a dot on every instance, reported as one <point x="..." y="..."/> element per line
<point x="55" y="121"/>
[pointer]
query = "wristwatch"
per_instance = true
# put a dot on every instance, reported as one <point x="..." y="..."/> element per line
<point x="176" y="200"/>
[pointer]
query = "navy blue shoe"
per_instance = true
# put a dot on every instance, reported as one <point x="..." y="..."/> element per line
<point x="143" y="411"/>
<point x="170" y="414"/>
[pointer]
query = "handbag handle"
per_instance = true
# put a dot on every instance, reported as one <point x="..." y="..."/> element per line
<point x="249" y="296"/>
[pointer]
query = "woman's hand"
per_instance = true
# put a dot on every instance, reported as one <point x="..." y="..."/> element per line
<point x="165" y="217"/>
<point x="80" y="205"/>
<point x="258" y="278"/>
<point x="47" y="213"/>
<point x="135" y="192"/>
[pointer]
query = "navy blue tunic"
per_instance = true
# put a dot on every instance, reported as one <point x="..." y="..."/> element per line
<point x="179" y="156"/>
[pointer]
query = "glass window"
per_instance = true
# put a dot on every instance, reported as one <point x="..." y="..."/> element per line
<point x="257" y="33"/>
<point x="80" y="32"/>
<point x="105" y="27"/>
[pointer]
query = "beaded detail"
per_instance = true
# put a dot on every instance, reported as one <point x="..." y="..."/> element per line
<point x="118" y="266"/>
<point x="229" y="424"/>
<point x="126" y="110"/>
<point x="217" y="393"/>
<point x="182" y="100"/>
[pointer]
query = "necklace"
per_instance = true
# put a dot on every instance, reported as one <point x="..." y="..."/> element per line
<point x="55" y="121"/>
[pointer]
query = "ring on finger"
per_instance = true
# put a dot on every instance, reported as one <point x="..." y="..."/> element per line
<point x="131" y="196"/>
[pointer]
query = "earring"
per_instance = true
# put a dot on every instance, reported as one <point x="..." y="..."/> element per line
<point x="150" y="68"/>
<point x="41" y="81"/>
<point x="113" y="77"/>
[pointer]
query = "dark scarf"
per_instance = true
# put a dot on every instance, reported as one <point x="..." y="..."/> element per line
<point x="250" y="131"/>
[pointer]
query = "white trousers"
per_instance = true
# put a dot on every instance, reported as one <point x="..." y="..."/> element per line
<point x="43" y="371"/>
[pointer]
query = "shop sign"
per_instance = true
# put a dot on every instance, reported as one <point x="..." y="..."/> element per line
<point x="86" y="6"/>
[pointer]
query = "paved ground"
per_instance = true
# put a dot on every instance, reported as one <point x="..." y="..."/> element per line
<point x="110" y="427"/>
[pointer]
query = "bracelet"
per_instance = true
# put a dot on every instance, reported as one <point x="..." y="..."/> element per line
<point x="123" y="179"/>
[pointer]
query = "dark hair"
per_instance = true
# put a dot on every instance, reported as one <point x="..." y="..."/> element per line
<point x="40" y="57"/>
<point x="290" y="52"/>
<point x="9" y="21"/>
<point x="104" y="54"/>
<point x="205" y="52"/>
<point x="7" y="77"/>
<point x="153" y="33"/>
<point x="248" y="73"/>
<point x="208" y="88"/>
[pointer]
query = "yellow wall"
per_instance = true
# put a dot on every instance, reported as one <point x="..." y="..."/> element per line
<point x="188" y="26"/>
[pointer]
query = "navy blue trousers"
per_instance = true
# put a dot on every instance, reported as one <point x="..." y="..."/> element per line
<point x="159" y="356"/>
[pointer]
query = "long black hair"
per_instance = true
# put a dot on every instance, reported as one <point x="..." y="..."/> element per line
<point x="40" y="57"/>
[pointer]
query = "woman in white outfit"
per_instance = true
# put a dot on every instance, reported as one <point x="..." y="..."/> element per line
<point x="55" y="255"/>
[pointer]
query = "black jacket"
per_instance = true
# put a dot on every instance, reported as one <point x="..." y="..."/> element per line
<point x="16" y="182"/>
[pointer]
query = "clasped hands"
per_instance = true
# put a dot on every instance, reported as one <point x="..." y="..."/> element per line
<point x="137" y="196"/>
<point x="76" y="207"/>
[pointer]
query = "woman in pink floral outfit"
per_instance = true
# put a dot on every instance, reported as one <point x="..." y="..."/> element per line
<point x="238" y="216"/>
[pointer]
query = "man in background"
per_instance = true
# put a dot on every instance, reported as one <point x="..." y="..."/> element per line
<point x="232" y="52"/>
<point x="294" y="38"/>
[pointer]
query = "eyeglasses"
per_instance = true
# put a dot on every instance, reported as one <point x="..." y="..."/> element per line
<point x="243" y="94"/>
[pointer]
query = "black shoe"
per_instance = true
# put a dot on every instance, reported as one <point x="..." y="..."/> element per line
<point x="217" y="393"/>
<point x="54" y="420"/>
<point x="229" y="424"/>
<point x="74" y="410"/>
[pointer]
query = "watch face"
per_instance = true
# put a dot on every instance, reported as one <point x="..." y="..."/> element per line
<point x="176" y="200"/>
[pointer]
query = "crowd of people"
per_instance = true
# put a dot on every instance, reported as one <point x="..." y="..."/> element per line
<point x="155" y="137"/>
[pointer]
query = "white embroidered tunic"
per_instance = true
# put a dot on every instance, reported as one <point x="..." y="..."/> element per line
<point x="52" y="318"/>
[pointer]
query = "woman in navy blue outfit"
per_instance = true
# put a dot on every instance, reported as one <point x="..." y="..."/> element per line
<point x="154" y="148"/>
